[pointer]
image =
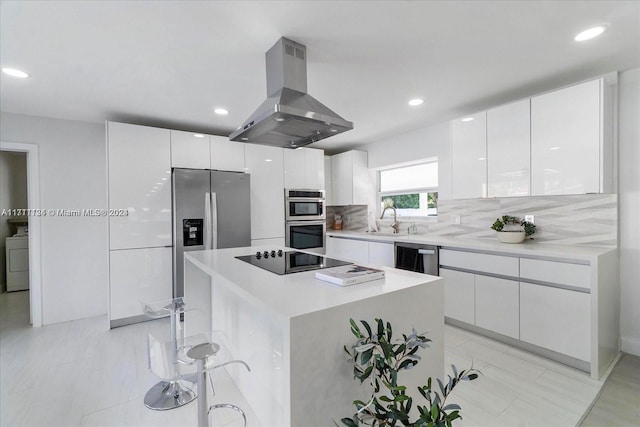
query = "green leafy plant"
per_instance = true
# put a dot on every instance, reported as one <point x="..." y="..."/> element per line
<point x="378" y="358"/>
<point x="506" y="220"/>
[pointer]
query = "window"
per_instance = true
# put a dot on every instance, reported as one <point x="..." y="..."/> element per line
<point x="413" y="189"/>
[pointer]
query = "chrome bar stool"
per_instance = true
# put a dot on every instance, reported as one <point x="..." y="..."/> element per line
<point x="207" y="356"/>
<point x="175" y="389"/>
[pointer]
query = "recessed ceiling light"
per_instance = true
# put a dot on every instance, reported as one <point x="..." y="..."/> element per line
<point x="244" y="139"/>
<point x="590" y="33"/>
<point x="554" y="148"/>
<point x="279" y="119"/>
<point x="221" y="111"/>
<point x="268" y="160"/>
<point x="482" y="158"/>
<point x="198" y="135"/>
<point x="415" y="102"/>
<point x="13" y="72"/>
<point x="467" y="119"/>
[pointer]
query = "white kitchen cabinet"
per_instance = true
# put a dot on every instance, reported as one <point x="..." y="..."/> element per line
<point x="459" y="295"/>
<point x="189" y="150"/>
<point x="497" y="305"/>
<point x="381" y="254"/>
<point x="348" y="249"/>
<point x="304" y="168"/>
<point x="556" y="319"/>
<point x="508" y="149"/>
<point x="566" y="140"/>
<point x="138" y="276"/>
<point x="328" y="192"/>
<point x="226" y="155"/>
<point x="140" y="185"/>
<point x="575" y="275"/>
<point x="265" y="165"/>
<point x="469" y="156"/>
<point x="350" y="183"/>
<point x="486" y="263"/>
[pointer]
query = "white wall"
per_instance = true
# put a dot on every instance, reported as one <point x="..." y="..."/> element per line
<point x="420" y="144"/>
<point x="629" y="209"/>
<point x="13" y="195"/>
<point x="74" y="249"/>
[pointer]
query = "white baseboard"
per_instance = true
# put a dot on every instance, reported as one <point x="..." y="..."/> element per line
<point x="631" y="346"/>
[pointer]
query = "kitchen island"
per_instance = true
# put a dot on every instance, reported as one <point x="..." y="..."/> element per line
<point x="291" y="330"/>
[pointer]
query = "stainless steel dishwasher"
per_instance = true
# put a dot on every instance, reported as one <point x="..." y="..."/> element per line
<point x="417" y="257"/>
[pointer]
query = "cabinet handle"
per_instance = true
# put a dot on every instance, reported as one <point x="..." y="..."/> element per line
<point x="426" y="252"/>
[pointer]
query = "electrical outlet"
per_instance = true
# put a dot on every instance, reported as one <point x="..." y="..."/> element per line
<point x="455" y="219"/>
<point x="529" y="218"/>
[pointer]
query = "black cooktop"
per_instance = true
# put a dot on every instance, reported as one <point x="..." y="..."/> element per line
<point x="280" y="262"/>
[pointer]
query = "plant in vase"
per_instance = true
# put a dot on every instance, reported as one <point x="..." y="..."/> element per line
<point x="378" y="358"/>
<point x="511" y="229"/>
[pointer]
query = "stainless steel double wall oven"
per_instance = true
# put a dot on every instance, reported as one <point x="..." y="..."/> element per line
<point x="305" y="219"/>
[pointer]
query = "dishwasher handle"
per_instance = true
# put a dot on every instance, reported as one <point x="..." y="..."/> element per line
<point x="426" y="252"/>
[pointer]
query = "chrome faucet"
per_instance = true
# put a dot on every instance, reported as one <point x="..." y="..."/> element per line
<point x="394" y="225"/>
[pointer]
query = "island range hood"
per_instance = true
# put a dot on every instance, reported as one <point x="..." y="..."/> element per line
<point x="290" y="117"/>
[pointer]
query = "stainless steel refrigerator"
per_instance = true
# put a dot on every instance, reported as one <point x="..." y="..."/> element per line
<point x="211" y="210"/>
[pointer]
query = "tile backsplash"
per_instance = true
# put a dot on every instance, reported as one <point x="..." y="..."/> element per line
<point x="585" y="219"/>
<point x="354" y="217"/>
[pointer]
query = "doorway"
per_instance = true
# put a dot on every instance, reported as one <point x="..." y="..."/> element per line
<point x="34" y="227"/>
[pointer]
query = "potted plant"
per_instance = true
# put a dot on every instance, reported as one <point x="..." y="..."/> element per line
<point x="378" y="358"/>
<point x="511" y="229"/>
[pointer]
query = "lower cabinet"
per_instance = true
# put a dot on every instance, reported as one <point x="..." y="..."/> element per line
<point x="376" y="254"/>
<point x="381" y="254"/>
<point x="497" y="305"/>
<point x="138" y="276"/>
<point x="557" y="319"/>
<point x="459" y="295"/>
<point x="348" y="249"/>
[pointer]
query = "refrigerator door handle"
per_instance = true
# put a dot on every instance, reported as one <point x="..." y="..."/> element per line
<point x="214" y="220"/>
<point x="207" y="220"/>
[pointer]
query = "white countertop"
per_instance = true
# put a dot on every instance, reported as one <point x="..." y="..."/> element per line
<point x="294" y="294"/>
<point x="528" y="249"/>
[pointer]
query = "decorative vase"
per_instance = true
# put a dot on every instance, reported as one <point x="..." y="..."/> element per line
<point x="511" y="236"/>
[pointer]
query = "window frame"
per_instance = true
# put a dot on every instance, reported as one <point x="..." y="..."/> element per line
<point x="380" y="194"/>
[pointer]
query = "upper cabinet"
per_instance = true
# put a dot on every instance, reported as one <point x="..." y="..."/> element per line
<point x="508" y="149"/>
<point x="556" y="143"/>
<point x="304" y="168"/>
<point x="265" y="165"/>
<point x="140" y="184"/>
<point x="226" y="155"/>
<point x="350" y="184"/>
<point x="469" y="156"/>
<point x="568" y="147"/>
<point x="189" y="150"/>
<point x="199" y="151"/>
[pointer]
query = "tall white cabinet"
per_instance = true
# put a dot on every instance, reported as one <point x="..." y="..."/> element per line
<point x="139" y="184"/>
<point x="469" y="156"/>
<point x="265" y="165"/>
<point x="508" y="147"/>
<point x="566" y="136"/>
<point x="350" y="183"/>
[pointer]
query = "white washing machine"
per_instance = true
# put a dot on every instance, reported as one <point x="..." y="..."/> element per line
<point x="17" y="251"/>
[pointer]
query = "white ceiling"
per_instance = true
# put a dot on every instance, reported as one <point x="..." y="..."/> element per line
<point x="170" y="63"/>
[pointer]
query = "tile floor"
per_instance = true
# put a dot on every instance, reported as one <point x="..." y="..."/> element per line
<point x="82" y="374"/>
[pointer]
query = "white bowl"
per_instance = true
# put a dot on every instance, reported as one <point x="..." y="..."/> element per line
<point x="511" y="236"/>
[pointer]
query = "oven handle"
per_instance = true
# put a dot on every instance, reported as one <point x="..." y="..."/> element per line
<point x="309" y="222"/>
<point x="426" y="252"/>
<point x="305" y="199"/>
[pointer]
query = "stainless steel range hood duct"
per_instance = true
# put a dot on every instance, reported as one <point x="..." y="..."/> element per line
<point x="290" y="117"/>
